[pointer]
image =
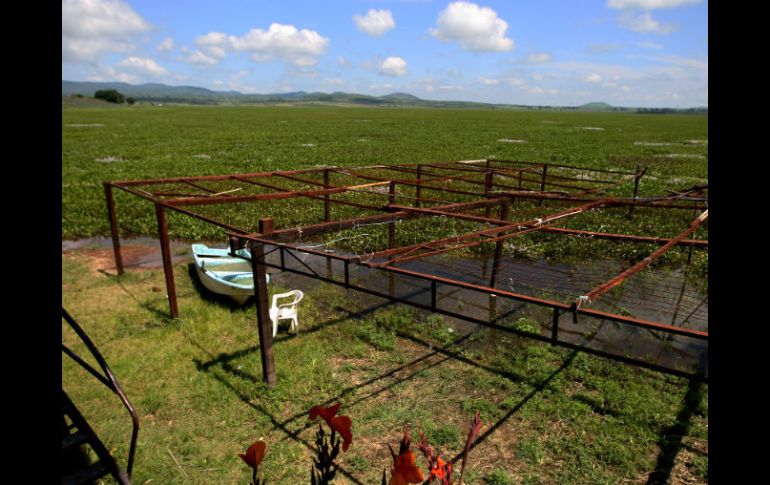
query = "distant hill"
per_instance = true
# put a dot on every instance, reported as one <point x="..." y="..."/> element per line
<point x="162" y="93"/>
<point x="596" y="106"/>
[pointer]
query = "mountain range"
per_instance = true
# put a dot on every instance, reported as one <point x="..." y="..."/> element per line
<point x="155" y="92"/>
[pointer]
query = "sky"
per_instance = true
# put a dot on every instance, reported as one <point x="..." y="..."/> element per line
<point x="635" y="53"/>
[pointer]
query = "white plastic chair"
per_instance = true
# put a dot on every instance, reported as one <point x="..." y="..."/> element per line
<point x="285" y="311"/>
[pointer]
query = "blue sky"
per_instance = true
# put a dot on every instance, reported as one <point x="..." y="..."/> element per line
<point x="647" y="53"/>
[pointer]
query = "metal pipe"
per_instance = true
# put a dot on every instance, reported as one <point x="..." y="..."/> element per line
<point x="114" y="232"/>
<point x="264" y="327"/>
<point x="168" y="269"/>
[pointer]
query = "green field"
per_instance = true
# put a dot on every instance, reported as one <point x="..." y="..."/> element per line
<point x="147" y="141"/>
<point x="552" y="416"/>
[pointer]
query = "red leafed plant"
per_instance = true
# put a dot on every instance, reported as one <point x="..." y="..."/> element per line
<point x="324" y="468"/>
<point x="405" y="471"/>
<point x="253" y="458"/>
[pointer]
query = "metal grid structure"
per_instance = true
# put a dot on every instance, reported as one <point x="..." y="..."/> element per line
<point x="353" y="226"/>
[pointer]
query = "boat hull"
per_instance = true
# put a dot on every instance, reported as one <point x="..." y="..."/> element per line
<point x="223" y="274"/>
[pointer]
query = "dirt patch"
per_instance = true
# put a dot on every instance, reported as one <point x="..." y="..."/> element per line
<point x="134" y="257"/>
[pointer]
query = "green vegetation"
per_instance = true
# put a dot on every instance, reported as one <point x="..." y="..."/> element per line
<point x="558" y="416"/>
<point x="110" y="95"/>
<point x="149" y="142"/>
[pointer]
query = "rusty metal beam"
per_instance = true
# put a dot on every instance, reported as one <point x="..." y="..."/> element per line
<point x="114" y="231"/>
<point x="168" y="269"/>
<point x="275" y="196"/>
<point x="594" y="294"/>
<point x="171" y="180"/>
<point x="198" y="186"/>
<point x="333" y="226"/>
<point x="529" y="226"/>
<point x="583" y="169"/>
<point x="626" y="237"/>
<point x="317" y="197"/>
<point x="264" y="327"/>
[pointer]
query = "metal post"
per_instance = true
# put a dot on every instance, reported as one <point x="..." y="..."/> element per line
<point x="488" y="186"/>
<point x="114" y="228"/>
<point x="168" y="268"/>
<point x="555" y="327"/>
<point x="418" y="193"/>
<point x="327" y="204"/>
<point x="636" y="189"/>
<point x="433" y="295"/>
<point x="498" y="250"/>
<point x="266" y="225"/>
<point x="264" y="326"/>
<point x="392" y="225"/>
<point x="542" y="181"/>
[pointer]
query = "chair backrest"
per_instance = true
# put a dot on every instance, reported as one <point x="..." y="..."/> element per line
<point x="298" y="295"/>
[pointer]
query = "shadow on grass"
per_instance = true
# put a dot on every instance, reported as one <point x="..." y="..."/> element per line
<point x="295" y="434"/>
<point x="670" y="441"/>
<point x="426" y="361"/>
<point x="162" y="315"/>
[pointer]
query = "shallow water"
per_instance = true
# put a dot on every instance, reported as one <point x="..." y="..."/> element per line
<point x="655" y="295"/>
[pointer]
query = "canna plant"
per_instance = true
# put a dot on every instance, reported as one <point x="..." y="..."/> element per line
<point x="404" y="470"/>
<point x="324" y="468"/>
<point x="440" y="471"/>
<point x="253" y="458"/>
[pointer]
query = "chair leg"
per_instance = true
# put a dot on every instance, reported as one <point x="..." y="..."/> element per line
<point x="295" y="324"/>
<point x="275" y="327"/>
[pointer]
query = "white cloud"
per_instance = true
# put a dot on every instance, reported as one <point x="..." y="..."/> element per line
<point x="393" y="66"/>
<point x="489" y="82"/>
<point x="474" y="28"/>
<point x="649" y="4"/>
<point x="212" y="47"/>
<point x="342" y="62"/>
<point x="593" y="78"/>
<point x="643" y="23"/>
<point x="202" y="59"/>
<point x="284" y="42"/>
<point x="143" y="66"/>
<point x="110" y="74"/>
<point x="375" y="22"/>
<point x="93" y="27"/>
<point x="538" y="58"/>
<point x="166" y="45"/>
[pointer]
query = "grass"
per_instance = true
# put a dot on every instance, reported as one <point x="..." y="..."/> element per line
<point x="550" y="415"/>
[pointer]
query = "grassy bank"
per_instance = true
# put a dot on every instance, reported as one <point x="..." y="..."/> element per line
<point x="550" y="415"/>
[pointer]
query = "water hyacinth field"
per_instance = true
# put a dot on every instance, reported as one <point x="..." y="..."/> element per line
<point x="168" y="141"/>
<point x="550" y="415"/>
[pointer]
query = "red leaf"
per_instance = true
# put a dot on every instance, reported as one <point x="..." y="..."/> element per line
<point x="255" y="454"/>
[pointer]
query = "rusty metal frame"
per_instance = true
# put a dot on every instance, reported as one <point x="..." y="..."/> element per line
<point x="386" y="205"/>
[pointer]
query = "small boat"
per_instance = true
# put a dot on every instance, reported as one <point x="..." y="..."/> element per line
<point x="225" y="274"/>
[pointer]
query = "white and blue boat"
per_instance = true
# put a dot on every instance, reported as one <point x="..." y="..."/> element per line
<point x="225" y="274"/>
